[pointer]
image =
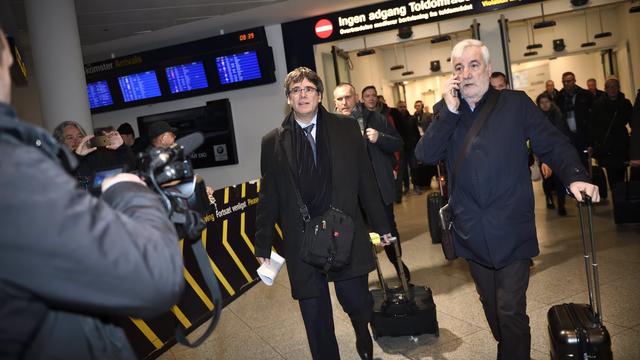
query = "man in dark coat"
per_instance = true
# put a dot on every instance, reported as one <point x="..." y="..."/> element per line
<point x="575" y="104"/>
<point x="408" y="130"/>
<point x="326" y="154"/>
<point x="492" y="195"/>
<point x="634" y="147"/>
<point x="608" y="129"/>
<point x="69" y="261"/>
<point x="381" y="140"/>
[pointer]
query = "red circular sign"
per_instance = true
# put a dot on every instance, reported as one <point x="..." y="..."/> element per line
<point x="324" y="28"/>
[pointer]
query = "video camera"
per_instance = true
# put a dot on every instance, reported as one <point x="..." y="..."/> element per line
<point x="169" y="173"/>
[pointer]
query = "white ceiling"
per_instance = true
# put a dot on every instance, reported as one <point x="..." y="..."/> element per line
<point x="105" y="20"/>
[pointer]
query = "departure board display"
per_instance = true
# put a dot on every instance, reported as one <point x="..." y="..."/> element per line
<point x="99" y="94"/>
<point x="186" y="77"/>
<point x="139" y="86"/>
<point x="238" y="67"/>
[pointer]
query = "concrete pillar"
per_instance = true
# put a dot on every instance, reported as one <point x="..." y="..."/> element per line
<point x="57" y="60"/>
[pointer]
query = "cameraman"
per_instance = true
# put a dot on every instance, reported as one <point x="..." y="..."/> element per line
<point x="69" y="261"/>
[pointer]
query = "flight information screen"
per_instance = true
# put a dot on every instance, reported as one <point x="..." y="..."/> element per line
<point x="99" y="94"/>
<point x="238" y="67"/>
<point x="139" y="86"/>
<point x="186" y="77"/>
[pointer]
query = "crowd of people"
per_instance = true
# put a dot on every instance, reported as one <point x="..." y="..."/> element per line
<point x="360" y="159"/>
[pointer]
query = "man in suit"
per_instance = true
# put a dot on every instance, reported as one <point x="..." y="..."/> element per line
<point x="381" y="140"/>
<point x="491" y="196"/>
<point x="329" y="167"/>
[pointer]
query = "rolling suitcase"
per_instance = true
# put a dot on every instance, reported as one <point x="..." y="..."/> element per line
<point x="402" y="311"/>
<point x="626" y="202"/>
<point x="576" y="331"/>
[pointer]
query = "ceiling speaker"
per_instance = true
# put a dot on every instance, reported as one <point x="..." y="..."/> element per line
<point x="558" y="44"/>
<point x="435" y="66"/>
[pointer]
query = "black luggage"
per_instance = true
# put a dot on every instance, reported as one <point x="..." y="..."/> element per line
<point x="434" y="203"/>
<point x="576" y="331"/>
<point x="421" y="175"/>
<point x="402" y="311"/>
<point x="626" y="202"/>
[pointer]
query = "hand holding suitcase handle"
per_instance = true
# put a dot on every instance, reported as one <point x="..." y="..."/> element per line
<point x="578" y="188"/>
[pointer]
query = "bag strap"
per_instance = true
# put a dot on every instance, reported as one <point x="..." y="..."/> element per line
<point x="473" y="132"/>
<point x="606" y="135"/>
<point x="304" y="211"/>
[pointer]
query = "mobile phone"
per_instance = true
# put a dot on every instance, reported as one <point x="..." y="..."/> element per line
<point x="99" y="141"/>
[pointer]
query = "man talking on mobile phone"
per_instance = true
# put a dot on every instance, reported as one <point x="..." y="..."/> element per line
<point x="491" y="195"/>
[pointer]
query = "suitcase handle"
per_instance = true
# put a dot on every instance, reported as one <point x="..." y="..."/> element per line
<point x="590" y="260"/>
<point x="403" y="278"/>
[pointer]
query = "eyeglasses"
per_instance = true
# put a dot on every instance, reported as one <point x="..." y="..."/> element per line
<point x="306" y="90"/>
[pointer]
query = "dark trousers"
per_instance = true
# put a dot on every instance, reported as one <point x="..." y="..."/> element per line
<point x="503" y="296"/>
<point x="390" y="250"/>
<point x="317" y="313"/>
<point x="615" y="174"/>
<point x="553" y="183"/>
<point x="408" y="167"/>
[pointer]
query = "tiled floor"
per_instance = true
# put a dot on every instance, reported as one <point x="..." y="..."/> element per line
<point x="265" y="323"/>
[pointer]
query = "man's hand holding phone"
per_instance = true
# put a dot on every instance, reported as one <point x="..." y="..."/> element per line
<point x="452" y="94"/>
<point x="86" y="146"/>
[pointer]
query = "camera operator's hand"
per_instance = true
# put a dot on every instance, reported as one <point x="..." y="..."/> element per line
<point x="110" y="181"/>
<point x="115" y="140"/>
<point x="84" y="147"/>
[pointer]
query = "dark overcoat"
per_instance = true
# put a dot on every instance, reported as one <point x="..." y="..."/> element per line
<point x="351" y="185"/>
<point x="492" y="195"/>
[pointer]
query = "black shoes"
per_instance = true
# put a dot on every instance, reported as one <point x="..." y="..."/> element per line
<point x="550" y="203"/>
<point x="364" y="343"/>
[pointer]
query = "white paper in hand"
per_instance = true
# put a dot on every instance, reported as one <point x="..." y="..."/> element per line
<point x="269" y="272"/>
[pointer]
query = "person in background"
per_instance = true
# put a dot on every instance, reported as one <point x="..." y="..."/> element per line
<point x="381" y="141"/>
<point x="575" y="104"/>
<point x="161" y="134"/>
<point x="128" y="136"/>
<point x="550" y="90"/>
<point x="324" y="156"/>
<point x="94" y="158"/>
<point x="592" y="87"/>
<point x="608" y="129"/>
<point x="424" y="172"/>
<point x="550" y="181"/>
<point x="70" y="262"/>
<point x="492" y="195"/>
<point x="499" y="81"/>
<point x="408" y="130"/>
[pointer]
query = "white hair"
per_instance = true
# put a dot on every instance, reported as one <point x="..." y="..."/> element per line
<point x="457" y="50"/>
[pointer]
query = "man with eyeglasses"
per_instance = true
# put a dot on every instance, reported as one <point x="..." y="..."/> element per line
<point x="330" y="167"/>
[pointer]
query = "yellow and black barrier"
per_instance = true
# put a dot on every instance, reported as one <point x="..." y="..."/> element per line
<point x="228" y="240"/>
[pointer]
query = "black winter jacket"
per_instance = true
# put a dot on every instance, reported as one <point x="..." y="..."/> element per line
<point x="70" y="261"/>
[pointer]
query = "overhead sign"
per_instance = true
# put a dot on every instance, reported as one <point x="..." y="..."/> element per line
<point x="300" y="35"/>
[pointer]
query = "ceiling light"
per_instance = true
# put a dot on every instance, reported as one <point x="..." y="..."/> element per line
<point x="366" y="51"/>
<point x="407" y="73"/>
<point x="544" y="23"/>
<point x="601" y="34"/>
<point x="440" y="38"/>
